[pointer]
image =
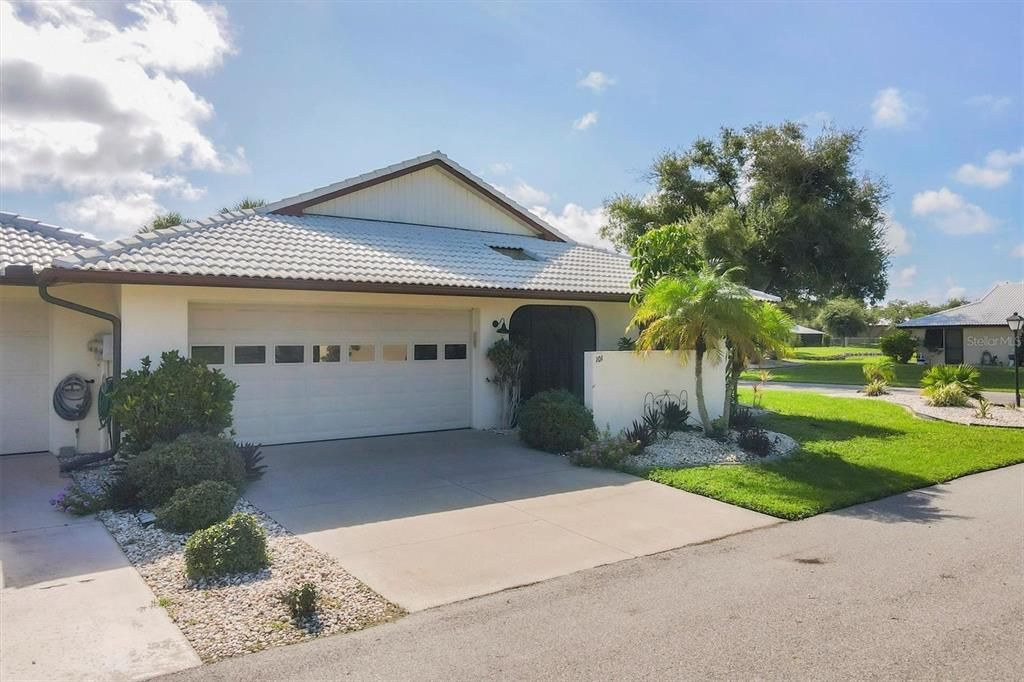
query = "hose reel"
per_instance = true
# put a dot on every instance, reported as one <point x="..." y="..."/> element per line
<point x="72" y="398"/>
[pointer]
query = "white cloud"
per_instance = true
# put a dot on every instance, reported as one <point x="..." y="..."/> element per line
<point x="897" y="237"/>
<point x="1018" y="251"/>
<point x="996" y="172"/>
<point x="577" y="223"/>
<point x="906" y="277"/>
<point x="499" y="168"/>
<point x="990" y="104"/>
<point x="525" y="194"/>
<point x="596" y="81"/>
<point x="585" y="121"/>
<point x="955" y="292"/>
<point x="125" y="212"/>
<point x="100" y="109"/>
<point x="951" y="213"/>
<point x="896" y="109"/>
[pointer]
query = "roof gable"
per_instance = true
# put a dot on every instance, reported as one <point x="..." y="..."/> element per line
<point x="427" y="190"/>
<point x="991" y="310"/>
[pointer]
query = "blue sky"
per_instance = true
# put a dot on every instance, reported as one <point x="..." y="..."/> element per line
<point x="191" y="107"/>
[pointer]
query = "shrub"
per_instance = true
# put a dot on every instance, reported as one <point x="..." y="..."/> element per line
<point x="119" y="493"/>
<point x="75" y="500"/>
<point x="948" y="395"/>
<point x="604" y="450"/>
<point x="876" y="387"/>
<point x="882" y="369"/>
<point x="743" y="419"/>
<point x="984" y="410"/>
<point x="555" y="421"/>
<point x="674" y="417"/>
<point x="180" y="396"/>
<point x="197" y="507"/>
<point x="626" y="343"/>
<point x="755" y="440"/>
<point x="965" y="376"/>
<point x="653" y="420"/>
<point x="157" y="473"/>
<point x="252" y="458"/>
<point x="899" y="345"/>
<point x="639" y="435"/>
<point x="301" y="601"/>
<point x="238" y="545"/>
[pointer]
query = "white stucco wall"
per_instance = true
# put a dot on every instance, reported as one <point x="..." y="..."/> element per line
<point x="155" y="319"/>
<point x="617" y="383"/>
<point x="998" y="341"/>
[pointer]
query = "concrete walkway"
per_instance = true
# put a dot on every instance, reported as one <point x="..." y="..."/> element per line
<point x="924" y="585"/>
<point x="428" y="519"/>
<point x="71" y="606"/>
<point x="843" y="390"/>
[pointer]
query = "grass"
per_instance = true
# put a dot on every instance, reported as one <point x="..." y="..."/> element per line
<point x="852" y="450"/>
<point x="851" y="371"/>
<point x="831" y="352"/>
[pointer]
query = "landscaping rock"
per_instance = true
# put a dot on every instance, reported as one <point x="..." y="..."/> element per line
<point x="693" y="448"/>
<point x="1000" y="416"/>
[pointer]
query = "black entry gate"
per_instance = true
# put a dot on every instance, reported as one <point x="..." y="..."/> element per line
<point x="556" y="336"/>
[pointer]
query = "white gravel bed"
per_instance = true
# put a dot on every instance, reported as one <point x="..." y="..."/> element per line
<point x="239" y="614"/>
<point x="692" y="448"/>
<point x="998" y="416"/>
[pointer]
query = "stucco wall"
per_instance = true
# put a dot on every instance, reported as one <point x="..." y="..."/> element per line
<point x="998" y="341"/>
<point x="617" y="384"/>
<point x="155" y="319"/>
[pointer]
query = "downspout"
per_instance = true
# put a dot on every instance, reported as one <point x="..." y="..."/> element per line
<point x="115" y="322"/>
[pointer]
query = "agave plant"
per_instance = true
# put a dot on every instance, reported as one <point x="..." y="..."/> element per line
<point x="252" y="456"/>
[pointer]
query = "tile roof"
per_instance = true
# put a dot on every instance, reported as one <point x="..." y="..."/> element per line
<point x="800" y="329"/>
<point x="990" y="310"/>
<point x="24" y="241"/>
<point x="310" y="247"/>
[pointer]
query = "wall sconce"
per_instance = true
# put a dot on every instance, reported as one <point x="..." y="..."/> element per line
<point x="499" y="325"/>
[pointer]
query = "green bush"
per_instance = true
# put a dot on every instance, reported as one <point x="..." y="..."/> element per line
<point x="755" y="440"/>
<point x="238" y="545"/>
<point x="192" y="458"/>
<point x="876" y="387"/>
<point x="180" y="396"/>
<point x="197" y="507"/>
<point x="301" y="601"/>
<point x="899" y="345"/>
<point x="882" y="369"/>
<point x="948" y="395"/>
<point x="555" y="421"/>
<point x="965" y="376"/>
<point x="603" y="450"/>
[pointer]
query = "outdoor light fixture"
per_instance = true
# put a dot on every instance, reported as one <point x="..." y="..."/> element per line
<point x="500" y="326"/>
<point x="1015" y="322"/>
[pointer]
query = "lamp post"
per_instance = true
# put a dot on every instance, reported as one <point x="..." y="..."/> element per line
<point x="1015" y="322"/>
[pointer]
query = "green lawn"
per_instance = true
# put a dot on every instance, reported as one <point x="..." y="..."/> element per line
<point x="852" y="450"/>
<point x="825" y="352"/>
<point x="851" y="371"/>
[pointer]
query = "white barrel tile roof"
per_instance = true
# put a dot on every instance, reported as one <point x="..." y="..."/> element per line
<point x="25" y="241"/>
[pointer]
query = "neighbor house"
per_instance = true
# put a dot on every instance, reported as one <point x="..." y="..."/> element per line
<point x="806" y="336"/>
<point x="975" y="333"/>
<point x="362" y="308"/>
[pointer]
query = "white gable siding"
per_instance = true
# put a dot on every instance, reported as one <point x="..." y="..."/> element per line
<point x="426" y="197"/>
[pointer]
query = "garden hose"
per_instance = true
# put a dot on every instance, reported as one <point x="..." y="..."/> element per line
<point x="104" y="405"/>
<point x="72" y="398"/>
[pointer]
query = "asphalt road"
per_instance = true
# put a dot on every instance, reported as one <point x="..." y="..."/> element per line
<point x="925" y="585"/>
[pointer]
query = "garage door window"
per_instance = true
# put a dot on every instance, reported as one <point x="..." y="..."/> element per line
<point x="250" y="355"/>
<point x="361" y="352"/>
<point x="211" y="355"/>
<point x="395" y="353"/>
<point x="289" y="355"/>
<point x="422" y="351"/>
<point x="454" y="351"/>
<point x="326" y="353"/>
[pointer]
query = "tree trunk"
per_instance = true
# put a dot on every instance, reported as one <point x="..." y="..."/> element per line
<point x="698" y="370"/>
<point x="732" y="380"/>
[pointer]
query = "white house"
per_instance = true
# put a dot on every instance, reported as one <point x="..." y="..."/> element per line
<point x="361" y="308"/>
<point x="975" y="333"/>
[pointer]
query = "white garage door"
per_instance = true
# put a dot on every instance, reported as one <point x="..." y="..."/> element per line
<point x="320" y="373"/>
<point x="24" y="375"/>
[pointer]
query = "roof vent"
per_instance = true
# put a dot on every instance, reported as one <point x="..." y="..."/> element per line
<point x="513" y="252"/>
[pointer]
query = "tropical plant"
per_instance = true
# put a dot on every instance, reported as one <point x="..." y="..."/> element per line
<point x="252" y="457"/>
<point x="509" y="360"/>
<point x="697" y="311"/>
<point x="626" y="343"/>
<point x="882" y="369"/>
<point x="755" y="440"/>
<point x="899" y="345"/>
<point x="984" y="410"/>
<point x="768" y="332"/>
<point x="639" y="434"/>
<point x="763" y="377"/>
<point x="244" y="204"/>
<point x="182" y="395"/>
<point x="876" y="387"/>
<point x="555" y="421"/>
<point x="163" y="221"/>
<point x="948" y="395"/>
<point x="965" y="376"/>
<point x="674" y="417"/>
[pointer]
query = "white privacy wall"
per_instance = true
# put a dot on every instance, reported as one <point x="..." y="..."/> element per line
<point x="617" y="383"/>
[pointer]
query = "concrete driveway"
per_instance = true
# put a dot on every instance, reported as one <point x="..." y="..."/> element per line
<point x="429" y="519"/>
<point x="71" y="606"/>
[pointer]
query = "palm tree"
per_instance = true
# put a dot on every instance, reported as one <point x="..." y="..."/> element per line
<point x="162" y="221"/>
<point x="769" y="330"/>
<point x="696" y="311"/>
<point x="244" y="204"/>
